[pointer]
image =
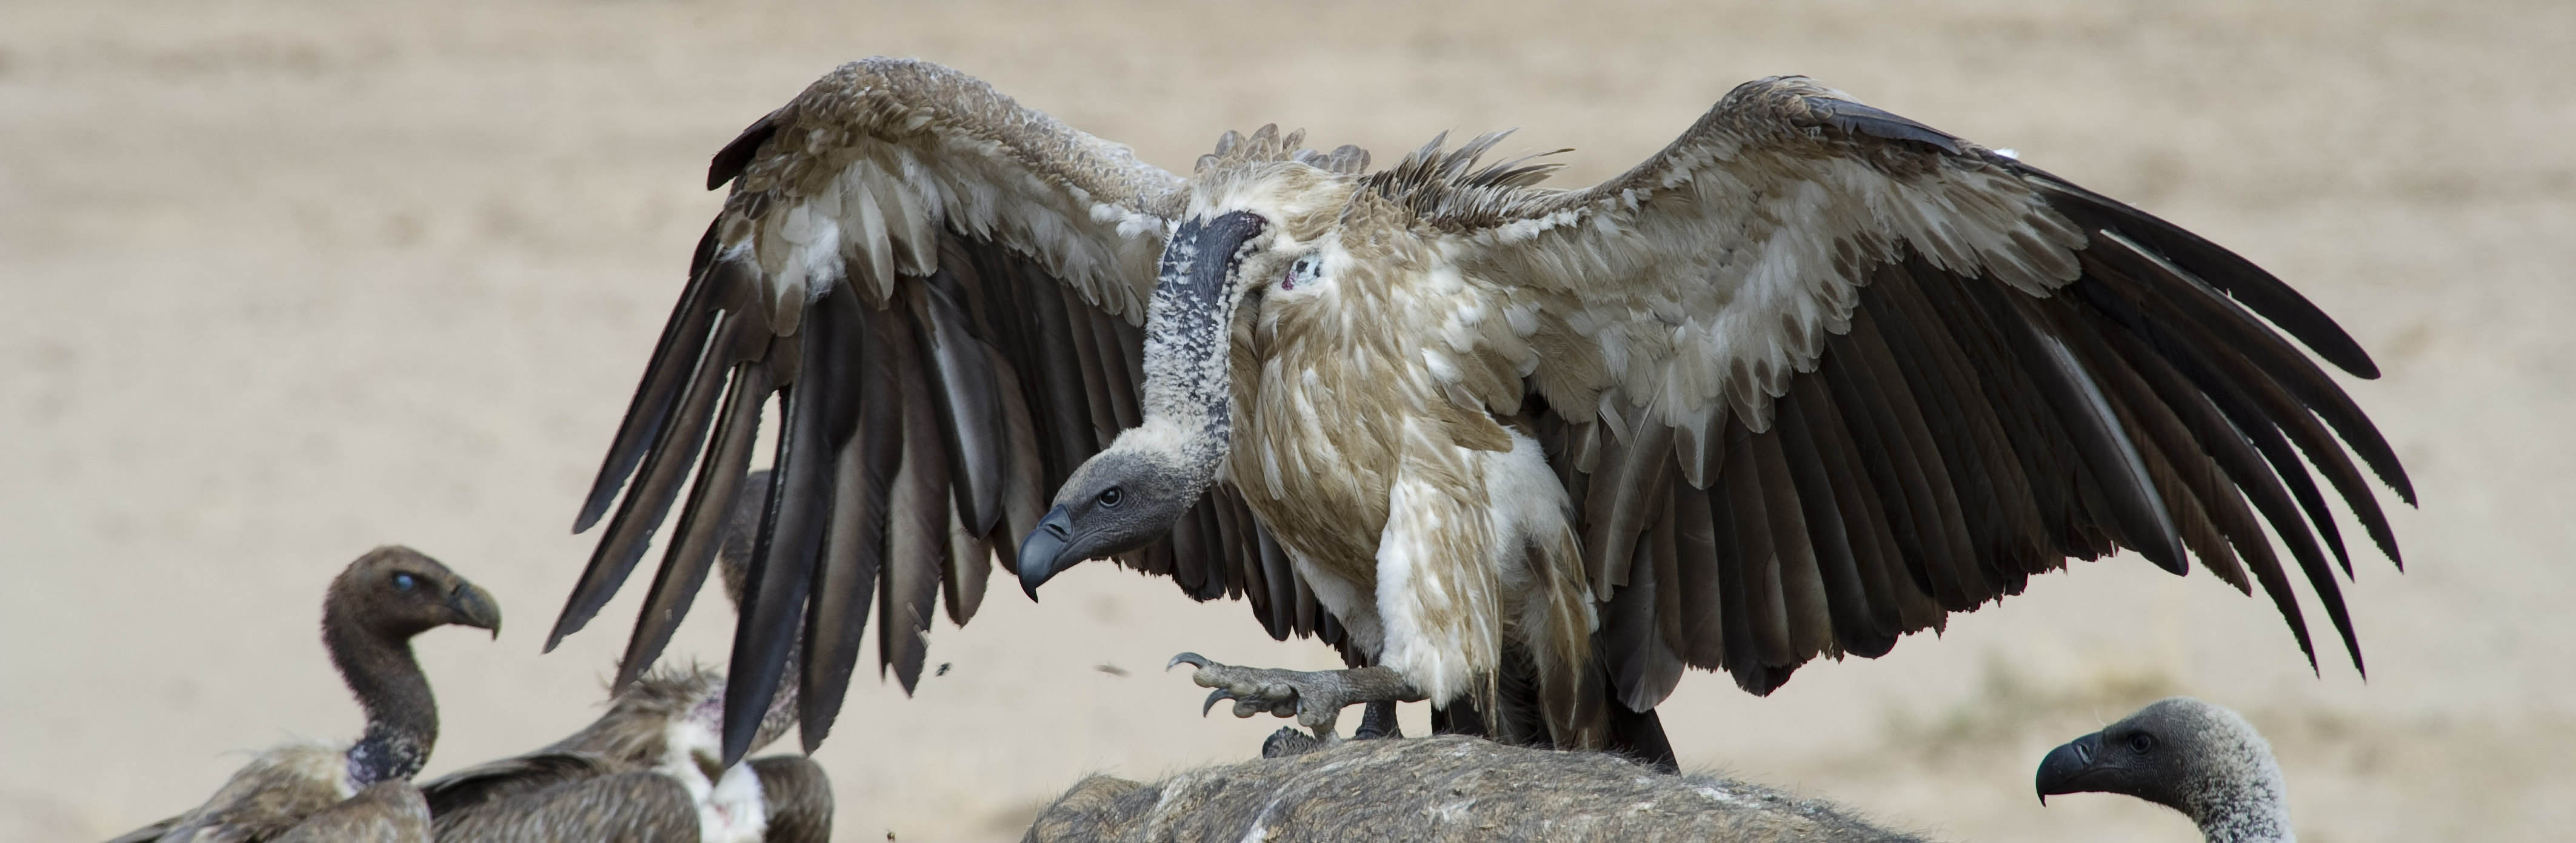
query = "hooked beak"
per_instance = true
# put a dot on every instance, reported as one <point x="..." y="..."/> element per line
<point x="2065" y="768"/>
<point x="475" y="607"/>
<point x="1041" y="553"/>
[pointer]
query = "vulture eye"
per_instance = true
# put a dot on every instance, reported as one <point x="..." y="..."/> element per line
<point x="1303" y="268"/>
<point x="404" y="581"/>
<point x="2142" y="743"/>
<point x="1111" y="496"/>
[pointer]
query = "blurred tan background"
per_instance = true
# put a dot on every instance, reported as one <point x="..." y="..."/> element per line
<point x="284" y="281"/>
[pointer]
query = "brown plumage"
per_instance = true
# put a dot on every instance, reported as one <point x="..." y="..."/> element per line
<point x="360" y="791"/>
<point x="647" y="769"/>
<point x="1812" y="378"/>
<point x="385" y="812"/>
<point x="1443" y="788"/>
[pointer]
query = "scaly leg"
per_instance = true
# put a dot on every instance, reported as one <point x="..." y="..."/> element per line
<point x="1378" y="721"/>
<point x="1316" y="698"/>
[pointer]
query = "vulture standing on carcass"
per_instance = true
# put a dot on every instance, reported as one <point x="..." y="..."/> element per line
<point x="646" y="771"/>
<point x="1811" y="378"/>
<point x="361" y="792"/>
<point x="2192" y="756"/>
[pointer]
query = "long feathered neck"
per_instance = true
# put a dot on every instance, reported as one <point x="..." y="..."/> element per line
<point x="2249" y="803"/>
<point x="402" y="717"/>
<point x="1188" y="384"/>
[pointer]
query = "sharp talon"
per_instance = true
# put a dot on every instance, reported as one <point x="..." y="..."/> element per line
<point x="1191" y="659"/>
<point x="1213" y="696"/>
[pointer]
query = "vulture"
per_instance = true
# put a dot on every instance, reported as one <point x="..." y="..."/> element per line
<point x="1811" y="378"/>
<point x="362" y="791"/>
<point x="646" y="770"/>
<point x="2192" y="756"/>
<point x="1449" y="787"/>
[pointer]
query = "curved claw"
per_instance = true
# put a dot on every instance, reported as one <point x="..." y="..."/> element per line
<point x="1213" y="696"/>
<point x="1191" y="659"/>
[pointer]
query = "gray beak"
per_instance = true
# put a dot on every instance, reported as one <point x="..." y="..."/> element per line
<point x="2064" y="768"/>
<point x="1042" y="551"/>
<point x="475" y="607"/>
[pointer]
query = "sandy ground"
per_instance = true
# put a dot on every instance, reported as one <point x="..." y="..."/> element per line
<point x="286" y="281"/>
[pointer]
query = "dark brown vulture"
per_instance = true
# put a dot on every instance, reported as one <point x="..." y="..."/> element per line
<point x="1811" y="378"/>
<point x="361" y="792"/>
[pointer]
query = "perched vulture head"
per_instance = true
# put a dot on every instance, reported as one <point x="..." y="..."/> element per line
<point x="397" y="592"/>
<point x="1118" y="501"/>
<point x="1256" y="225"/>
<point x="2182" y="753"/>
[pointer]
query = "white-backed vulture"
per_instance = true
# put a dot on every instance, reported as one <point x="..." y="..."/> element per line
<point x="647" y="769"/>
<point x="2186" y="754"/>
<point x="1811" y="378"/>
<point x="1443" y="788"/>
<point x="361" y="791"/>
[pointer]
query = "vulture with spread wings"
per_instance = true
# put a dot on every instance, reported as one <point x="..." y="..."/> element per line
<point x="1811" y="378"/>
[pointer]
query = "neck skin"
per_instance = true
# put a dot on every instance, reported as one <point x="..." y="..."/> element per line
<point x="402" y="717"/>
<point x="2251" y="809"/>
<point x="1188" y="380"/>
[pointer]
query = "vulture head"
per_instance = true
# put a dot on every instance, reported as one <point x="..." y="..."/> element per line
<point x="1264" y="218"/>
<point x="2192" y="756"/>
<point x="396" y="592"/>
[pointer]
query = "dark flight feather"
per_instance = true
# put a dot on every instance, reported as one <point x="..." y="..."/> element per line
<point x="1701" y="552"/>
<point x="2217" y="315"/>
<point x="693" y="552"/>
<point x="854" y="536"/>
<point x="683" y="386"/>
<point x="2215" y="264"/>
<point x="674" y="356"/>
<point x="791" y="530"/>
<point x="969" y="411"/>
<point x="916" y="539"/>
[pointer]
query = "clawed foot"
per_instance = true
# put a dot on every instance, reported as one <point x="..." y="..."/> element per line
<point x="1311" y="697"/>
<point x="1315" y="698"/>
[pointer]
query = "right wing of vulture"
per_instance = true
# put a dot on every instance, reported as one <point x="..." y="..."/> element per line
<point x="946" y="292"/>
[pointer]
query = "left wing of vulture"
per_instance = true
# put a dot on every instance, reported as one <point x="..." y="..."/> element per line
<point x="945" y="291"/>
<point x="1818" y="375"/>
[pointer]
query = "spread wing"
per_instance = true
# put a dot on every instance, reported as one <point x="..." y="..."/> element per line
<point x="946" y="291"/>
<point x="1818" y="375"/>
